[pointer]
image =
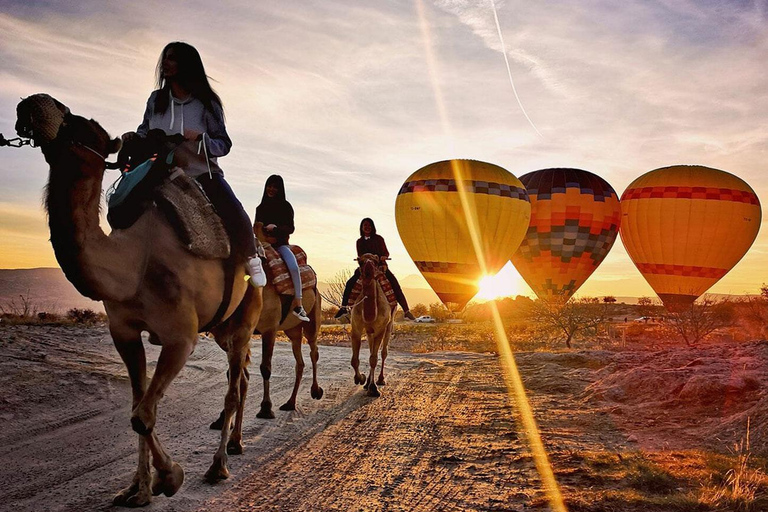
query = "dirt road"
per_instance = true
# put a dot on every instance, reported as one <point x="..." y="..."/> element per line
<point x="443" y="435"/>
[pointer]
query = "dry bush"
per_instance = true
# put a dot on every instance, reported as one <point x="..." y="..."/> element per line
<point x="742" y="487"/>
<point x="565" y="319"/>
<point x="700" y="320"/>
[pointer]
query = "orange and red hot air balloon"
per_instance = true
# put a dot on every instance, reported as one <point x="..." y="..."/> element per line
<point x="685" y="227"/>
<point x="575" y="219"/>
<point x="459" y="220"/>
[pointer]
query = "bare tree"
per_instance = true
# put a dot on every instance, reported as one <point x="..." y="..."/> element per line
<point x="335" y="291"/>
<point x="25" y="307"/>
<point x="701" y="319"/>
<point x="569" y="318"/>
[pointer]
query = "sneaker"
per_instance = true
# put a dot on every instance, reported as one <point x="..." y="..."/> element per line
<point x="341" y="313"/>
<point x="301" y="314"/>
<point x="409" y="315"/>
<point x="258" y="276"/>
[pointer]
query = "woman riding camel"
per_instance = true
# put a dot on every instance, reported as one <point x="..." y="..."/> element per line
<point x="185" y="104"/>
<point x="276" y="215"/>
<point x="371" y="243"/>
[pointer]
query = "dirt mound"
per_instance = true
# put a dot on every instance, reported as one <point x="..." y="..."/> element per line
<point x="710" y="391"/>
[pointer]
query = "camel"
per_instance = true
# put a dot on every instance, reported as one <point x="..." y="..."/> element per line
<point x="374" y="316"/>
<point x="269" y="325"/>
<point x="147" y="281"/>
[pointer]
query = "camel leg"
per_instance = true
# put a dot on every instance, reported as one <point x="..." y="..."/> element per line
<point x="295" y="336"/>
<point x="384" y="351"/>
<point x="172" y="358"/>
<point x="131" y="350"/>
<point x="374" y="341"/>
<point x="232" y="402"/>
<point x="356" y="340"/>
<point x="267" y="348"/>
<point x="314" y="355"/>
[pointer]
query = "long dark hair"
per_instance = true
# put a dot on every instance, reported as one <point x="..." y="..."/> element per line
<point x="190" y="75"/>
<point x="276" y="181"/>
<point x="373" y="226"/>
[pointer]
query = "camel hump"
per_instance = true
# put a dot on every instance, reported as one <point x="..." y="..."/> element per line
<point x="278" y="274"/>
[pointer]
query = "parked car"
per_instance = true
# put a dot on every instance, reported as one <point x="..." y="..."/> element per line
<point x="425" y="319"/>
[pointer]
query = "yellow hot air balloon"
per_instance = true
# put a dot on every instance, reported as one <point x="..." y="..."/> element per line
<point x="574" y="221"/>
<point x="459" y="220"/>
<point x="685" y="227"/>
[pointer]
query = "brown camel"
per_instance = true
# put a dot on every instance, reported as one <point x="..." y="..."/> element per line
<point x="148" y="282"/>
<point x="374" y="316"/>
<point x="269" y="325"/>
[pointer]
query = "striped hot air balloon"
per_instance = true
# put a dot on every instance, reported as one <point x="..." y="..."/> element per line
<point x="685" y="227"/>
<point x="459" y="220"/>
<point x="574" y="222"/>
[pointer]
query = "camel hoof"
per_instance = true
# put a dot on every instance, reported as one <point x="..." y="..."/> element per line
<point x="266" y="413"/>
<point x="316" y="392"/>
<point x="167" y="482"/>
<point x="219" y="423"/>
<point x="132" y="497"/>
<point x="360" y="379"/>
<point x="139" y="427"/>
<point x="381" y="382"/>
<point x="288" y="406"/>
<point x="234" y="447"/>
<point x="373" y="391"/>
<point x="217" y="472"/>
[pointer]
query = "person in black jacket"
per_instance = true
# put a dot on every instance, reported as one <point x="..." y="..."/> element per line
<point x="276" y="214"/>
<point x="371" y="243"/>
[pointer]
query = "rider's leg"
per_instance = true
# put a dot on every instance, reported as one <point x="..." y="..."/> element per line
<point x="293" y="268"/>
<point x="236" y="223"/>
<point x="343" y="310"/>
<point x="399" y="295"/>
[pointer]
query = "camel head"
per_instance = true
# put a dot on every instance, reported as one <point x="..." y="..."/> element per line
<point x="368" y="263"/>
<point x="51" y="126"/>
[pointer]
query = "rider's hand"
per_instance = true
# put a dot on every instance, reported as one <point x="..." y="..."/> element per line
<point x="128" y="136"/>
<point x="193" y="135"/>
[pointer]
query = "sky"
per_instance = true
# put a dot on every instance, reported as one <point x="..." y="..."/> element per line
<point x="346" y="99"/>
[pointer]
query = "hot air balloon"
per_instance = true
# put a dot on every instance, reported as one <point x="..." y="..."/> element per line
<point x="575" y="219"/>
<point x="459" y="220"/>
<point x="685" y="227"/>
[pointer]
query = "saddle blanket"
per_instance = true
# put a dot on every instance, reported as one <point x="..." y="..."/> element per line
<point x="389" y="293"/>
<point x="280" y="277"/>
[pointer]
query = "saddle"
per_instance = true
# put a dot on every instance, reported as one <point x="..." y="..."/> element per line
<point x="179" y="197"/>
<point x="381" y="277"/>
<point x="280" y="277"/>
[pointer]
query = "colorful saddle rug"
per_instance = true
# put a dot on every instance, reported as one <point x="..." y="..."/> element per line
<point x="280" y="277"/>
<point x="389" y="293"/>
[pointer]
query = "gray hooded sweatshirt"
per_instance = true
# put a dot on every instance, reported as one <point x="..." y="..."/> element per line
<point x="190" y="114"/>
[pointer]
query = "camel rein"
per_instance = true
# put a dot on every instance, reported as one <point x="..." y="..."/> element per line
<point x="18" y="142"/>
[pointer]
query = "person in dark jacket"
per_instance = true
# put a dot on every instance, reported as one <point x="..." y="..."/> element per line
<point x="371" y="243"/>
<point x="276" y="215"/>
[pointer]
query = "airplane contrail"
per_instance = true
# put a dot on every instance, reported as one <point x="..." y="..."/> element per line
<point x="509" y="71"/>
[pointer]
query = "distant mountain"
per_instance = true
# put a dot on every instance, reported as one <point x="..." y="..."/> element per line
<point x="45" y="289"/>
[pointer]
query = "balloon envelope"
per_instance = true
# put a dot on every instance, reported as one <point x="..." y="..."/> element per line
<point x="685" y="227"/>
<point x="460" y="219"/>
<point x="574" y="222"/>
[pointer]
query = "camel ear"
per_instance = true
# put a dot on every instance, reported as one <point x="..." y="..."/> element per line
<point x="114" y="145"/>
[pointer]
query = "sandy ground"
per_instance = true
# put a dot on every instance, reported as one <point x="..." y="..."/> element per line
<point x="443" y="436"/>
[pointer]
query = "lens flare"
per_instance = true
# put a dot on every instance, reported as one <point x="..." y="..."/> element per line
<point x="511" y="375"/>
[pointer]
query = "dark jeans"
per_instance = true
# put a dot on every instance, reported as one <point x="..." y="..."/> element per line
<point x="399" y="295"/>
<point x="233" y="215"/>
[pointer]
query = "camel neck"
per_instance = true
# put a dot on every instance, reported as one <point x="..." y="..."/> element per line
<point x="93" y="262"/>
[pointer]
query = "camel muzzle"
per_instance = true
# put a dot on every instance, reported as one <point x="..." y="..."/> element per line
<point x="39" y="117"/>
